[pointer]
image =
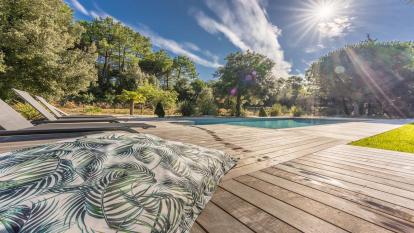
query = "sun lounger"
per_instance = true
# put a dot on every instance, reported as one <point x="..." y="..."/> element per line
<point x="61" y="114"/>
<point x="15" y="124"/>
<point x="51" y="118"/>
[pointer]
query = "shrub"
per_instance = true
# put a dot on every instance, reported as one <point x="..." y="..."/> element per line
<point x="27" y="111"/>
<point x="69" y="104"/>
<point x="222" y="112"/>
<point x="159" y="110"/>
<point x="187" y="108"/>
<point x="92" y="109"/>
<point x="262" y="112"/>
<point x="285" y="109"/>
<point x="205" y="103"/>
<point x="276" y="110"/>
<point x="296" y="111"/>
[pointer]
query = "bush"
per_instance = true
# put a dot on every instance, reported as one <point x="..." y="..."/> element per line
<point x="92" y="109"/>
<point x="222" y="112"/>
<point x="262" y="112"/>
<point x="70" y="105"/>
<point x="27" y="111"/>
<point x="276" y="110"/>
<point x="296" y="111"/>
<point x="187" y="108"/>
<point x="205" y="103"/>
<point x="159" y="110"/>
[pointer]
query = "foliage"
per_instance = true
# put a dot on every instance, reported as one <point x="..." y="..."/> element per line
<point x="158" y="64"/>
<point x="154" y="95"/>
<point x="119" y="48"/>
<point x="401" y="139"/>
<point x="132" y="97"/>
<point x="205" y="102"/>
<point x="183" y="68"/>
<point x="296" y="111"/>
<point x="262" y="112"/>
<point x="222" y="112"/>
<point x="92" y="109"/>
<point x="27" y="111"/>
<point x="276" y="110"/>
<point x="2" y="65"/>
<point x="369" y="78"/>
<point x="187" y="108"/>
<point x="245" y="74"/>
<point x="159" y="110"/>
<point x="84" y="98"/>
<point x="39" y="49"/>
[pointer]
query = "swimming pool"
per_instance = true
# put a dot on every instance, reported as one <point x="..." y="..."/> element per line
<point x="270" y="123"/>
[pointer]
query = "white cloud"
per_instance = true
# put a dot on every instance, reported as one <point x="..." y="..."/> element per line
<point x="79" y="7"/>
<point x="338" y="27"/>
<point x="185" y="48"/>
<point x="176" y="48"/>
<point x="246" y="25"/>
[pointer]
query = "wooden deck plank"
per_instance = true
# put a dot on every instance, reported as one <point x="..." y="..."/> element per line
<point x="395" y="160"/>
<point x="287" y="213"/>
<point x="367" y="164"/>
<point x="349" y="172"/>
<point x="370" y="203"/>
<point x="215" y="220"/>
<point x="196" y="228"/>
<point x="235" y="172"/>
<point x="349" y="183"/>
<point x="387" y="222"/>
<point x="328" y="213"/>
<point x="250" y="215"/>
<point x="361" y="169"/>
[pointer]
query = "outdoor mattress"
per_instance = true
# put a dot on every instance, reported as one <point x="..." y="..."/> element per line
<point x="107" y="183"/>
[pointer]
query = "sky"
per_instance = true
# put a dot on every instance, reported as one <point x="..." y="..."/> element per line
<point x="293" y="33"/>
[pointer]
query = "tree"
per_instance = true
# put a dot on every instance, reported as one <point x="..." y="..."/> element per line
<point x="183" y="68"/>
<point x="246" y="74"/>
<point x="39" y="49"/>
<point x="154" y="95"/>
<point x="120" y="49"/>
<point x="158" y="64"/>
<point x="369" y="78"/>
<point x="132" y="97"/>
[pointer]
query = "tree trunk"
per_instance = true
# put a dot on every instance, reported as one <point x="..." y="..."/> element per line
<point x="238" y="105"/>
<point x="346" y="110"/>
<point x="131" y="108"/>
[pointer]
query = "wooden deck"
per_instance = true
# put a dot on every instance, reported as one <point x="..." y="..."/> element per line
<point x="301" y="179"/>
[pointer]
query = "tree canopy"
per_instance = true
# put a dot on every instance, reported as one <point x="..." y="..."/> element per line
<point x="369" y="78"/>
<point x="39" y="49"/>
<point x="246" y="74"/>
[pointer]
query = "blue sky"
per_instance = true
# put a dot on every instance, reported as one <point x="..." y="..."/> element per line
<point x="293" y="33"/>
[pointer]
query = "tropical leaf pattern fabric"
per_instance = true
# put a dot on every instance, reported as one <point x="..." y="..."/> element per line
<point x="116" y="182"/>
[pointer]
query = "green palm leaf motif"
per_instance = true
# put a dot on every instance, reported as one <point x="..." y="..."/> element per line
<point x="108" y="183"/>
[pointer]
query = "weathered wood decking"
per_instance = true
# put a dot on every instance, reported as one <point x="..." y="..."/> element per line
<point x="302" y="179"/>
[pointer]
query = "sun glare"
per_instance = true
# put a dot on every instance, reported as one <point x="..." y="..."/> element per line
<point x="317" y="19"/>
<point x="325" y="11"/>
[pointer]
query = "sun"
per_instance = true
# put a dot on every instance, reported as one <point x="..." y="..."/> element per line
<point x="324" y="10"/>
<point x="314" y="19"/>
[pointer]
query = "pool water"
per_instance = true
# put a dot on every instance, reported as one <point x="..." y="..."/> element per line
<point x="273" y="123"/>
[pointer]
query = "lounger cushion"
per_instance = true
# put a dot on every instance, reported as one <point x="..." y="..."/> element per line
<point x="117" y="182"/>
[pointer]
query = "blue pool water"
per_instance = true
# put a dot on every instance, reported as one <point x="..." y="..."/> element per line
<point x="272" y="123"/>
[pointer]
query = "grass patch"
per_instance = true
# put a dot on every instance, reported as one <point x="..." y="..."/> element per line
<point x="401" y="139"/>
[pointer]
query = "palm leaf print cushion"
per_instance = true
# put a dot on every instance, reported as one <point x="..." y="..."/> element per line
<point x="116" y="182"/>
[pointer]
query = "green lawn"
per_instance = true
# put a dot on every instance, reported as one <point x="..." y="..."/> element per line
<point x="401" y="139"/>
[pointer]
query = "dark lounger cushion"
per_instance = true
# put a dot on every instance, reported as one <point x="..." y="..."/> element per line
<point x="107" y="183"/>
